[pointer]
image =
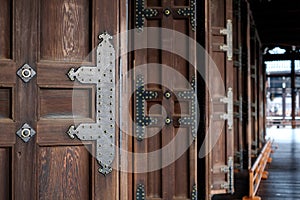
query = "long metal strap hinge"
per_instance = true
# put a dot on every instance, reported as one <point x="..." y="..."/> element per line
<point x="194" y="195"/>
<point x="239" y="114"/>
<point x="229" y="115"/>
<point x="103" y="131"/>
<point x="228" y="32"/>
<point x="229" y="170"/>
<point x="140" y="192"/>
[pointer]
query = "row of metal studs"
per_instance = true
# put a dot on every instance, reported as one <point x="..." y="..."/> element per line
<point x="191" y="11"/>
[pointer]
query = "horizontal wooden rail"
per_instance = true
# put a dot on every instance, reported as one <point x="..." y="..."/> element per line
<point x="257" y="171"/>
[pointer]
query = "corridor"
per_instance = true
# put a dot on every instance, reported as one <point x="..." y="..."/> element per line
<point x="284" y="175"/>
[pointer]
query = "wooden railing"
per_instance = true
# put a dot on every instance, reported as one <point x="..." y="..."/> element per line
<point x="257" y="172"/>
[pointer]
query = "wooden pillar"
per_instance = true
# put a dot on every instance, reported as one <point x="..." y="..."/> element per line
<point x="293" y="77"/>
<point x="283" y="104"/>
<point x="298" y="99"/>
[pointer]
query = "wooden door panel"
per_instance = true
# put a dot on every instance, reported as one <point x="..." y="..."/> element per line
<point x="7" y="64"/>
<point x="64" y="41"/>
<point x="176" y="180"/>
<point x="6" y="103"/>
<point x="5" y="173"/>
<point x="6" y="29"/>
<point x="65" y="31"/>
<point x="7" y="100"/>
<point x="68" y="32"/>
<point x="219" y="19"/>
<point x="239" y="138"/>
<point x="64" y="172"/>
<point x="51" y="37"/>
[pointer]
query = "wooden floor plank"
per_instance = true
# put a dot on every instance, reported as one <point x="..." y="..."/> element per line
<point x="284" y="174"/>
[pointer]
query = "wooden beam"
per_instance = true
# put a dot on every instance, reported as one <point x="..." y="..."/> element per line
<point x="270" y="57"/>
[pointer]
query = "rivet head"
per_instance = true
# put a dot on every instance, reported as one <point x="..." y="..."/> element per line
<point x="168" y="121"/>
<point x="167" y="94"/>
<point x="25" y="132"/>
<point x="167" y="12"/>
<point x="26" y="73"/>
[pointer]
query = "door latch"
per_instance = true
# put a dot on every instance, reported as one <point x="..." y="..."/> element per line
<point x="228" y="32"/>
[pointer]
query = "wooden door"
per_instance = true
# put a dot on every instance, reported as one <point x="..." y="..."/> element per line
<point x="50" y="37"/>
<point x="220" y="128"/>
<point x="257" y="86"/>
<point x="239" y="137"/>
<point x="164" y="106"/>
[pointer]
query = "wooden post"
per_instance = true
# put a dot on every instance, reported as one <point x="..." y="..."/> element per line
<point x="293" y="77"/>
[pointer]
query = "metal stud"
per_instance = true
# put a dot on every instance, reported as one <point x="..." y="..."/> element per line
<point x="141" y="12"/>
<point x="191" y="120"/>
<point x="167" y="95"/>
<point x="168" y="121"/>
<point x="189" y="11"/>
<point x="167" y="12"/>
<point x="140" y="192"/>
<point x="26" y="73"/>
<point x="194" y="193"/>
<point x="26" y="132"/>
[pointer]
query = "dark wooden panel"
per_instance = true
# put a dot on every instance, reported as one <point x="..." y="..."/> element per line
<point x="5" y="174"/>
<point x="58" y="103"/>
<point x="64" y="173"/>
<point x="182" y="170"/>
<point x="154" y="180"/>
<point x="8" y="73"/>
<point x="65" y="29"/>
<point x="153" y="3"/>
<point x="5" y="103"/>
<point x="5" y="29"/>
<point x="181" y="2"/>
<point x="174" y="180"/>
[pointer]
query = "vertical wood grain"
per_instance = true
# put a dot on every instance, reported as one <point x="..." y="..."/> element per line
<point x="5" y="29"/>
<point x="5" y="103"/>
<point x="5" y="174"/>
<point x="65" y="30"/>
<point x="63" y="173"/>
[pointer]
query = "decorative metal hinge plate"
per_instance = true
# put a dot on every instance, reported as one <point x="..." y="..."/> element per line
<point x="103" y="131"/>
<point x="194" y="195"/>
<point x="240" y="156"/>
<point x="140" y="192"/>
<point x="141" y="12"/>
<point x="189" y="11"/>
<point x="239" y="103"/>
<point x="26" y="73"/>
<point x="26" y="132"/>
<point x="229" y="170"/>
<point x="228" y="32"/>
<point x="192" y="119"/>
<point x="141" y="96"/>
<point x="229" y="115"/>
<point x="142" y="121"/>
